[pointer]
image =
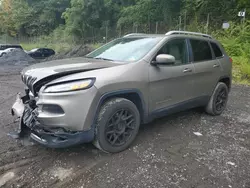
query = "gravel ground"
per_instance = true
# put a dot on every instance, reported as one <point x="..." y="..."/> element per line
<point x="166" y="152"/>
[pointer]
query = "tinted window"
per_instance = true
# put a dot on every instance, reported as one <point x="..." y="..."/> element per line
<point x="176" y="48"/>
<point x="15" y="46"/>
<point x="201" y="50"/>
<point x="48" y="50"/>
<point x="216" y="50"/>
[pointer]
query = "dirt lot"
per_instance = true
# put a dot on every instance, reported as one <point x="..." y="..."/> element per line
<point x="166" y="153"/>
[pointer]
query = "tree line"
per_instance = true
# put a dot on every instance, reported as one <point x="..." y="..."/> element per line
<point x="79" y="18"/>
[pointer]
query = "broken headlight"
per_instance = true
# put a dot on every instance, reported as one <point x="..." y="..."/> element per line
<point x="69" y="86"/>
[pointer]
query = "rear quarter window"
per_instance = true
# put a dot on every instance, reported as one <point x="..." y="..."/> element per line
<point x="4" y="47"/>
<point x="217" y="51"/>
<point x="201" y="50"/>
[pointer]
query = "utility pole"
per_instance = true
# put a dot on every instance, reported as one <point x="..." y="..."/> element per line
<point x="120" y="33"/>
<point x="208" y="19"/>
<point x="185" y="20"/>
<point x="244" y="17"/>
<point x="156" y="28"/>
<point x="106" y="31"/>
<point x="179" y="23"/>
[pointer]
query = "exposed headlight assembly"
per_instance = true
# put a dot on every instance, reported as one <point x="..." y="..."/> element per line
<point x="70" y="86"/>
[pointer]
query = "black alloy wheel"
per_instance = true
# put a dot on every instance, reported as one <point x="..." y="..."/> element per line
<point x="117" y="125"/>
<point x="221" y="100"/>
<point x="120" y="127"/>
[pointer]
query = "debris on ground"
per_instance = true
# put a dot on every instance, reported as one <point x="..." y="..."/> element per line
<point x="198" y="134"/>
<point x="231" y="163"/>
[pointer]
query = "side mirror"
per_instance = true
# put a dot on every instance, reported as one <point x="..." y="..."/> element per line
<point x="165" y="59"/>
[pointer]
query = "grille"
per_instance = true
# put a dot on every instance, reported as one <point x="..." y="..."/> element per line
<point x="29" y="81"/>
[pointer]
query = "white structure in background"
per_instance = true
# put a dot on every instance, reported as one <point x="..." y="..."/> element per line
<point x="225" y="25"/>
<point x="242" y="14"/>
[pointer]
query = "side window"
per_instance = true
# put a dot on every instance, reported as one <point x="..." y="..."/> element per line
<point x="201" y="50"/>
<point x="176" y="48"/>
<point x="217" y="50"/>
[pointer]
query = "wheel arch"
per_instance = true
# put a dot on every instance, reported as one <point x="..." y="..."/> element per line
<point x="226" y="80"/>
<point x="133" y="95"/>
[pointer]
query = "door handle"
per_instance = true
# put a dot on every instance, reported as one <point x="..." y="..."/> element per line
<point x="216" y="66"/>
<point x="187" y="70"/>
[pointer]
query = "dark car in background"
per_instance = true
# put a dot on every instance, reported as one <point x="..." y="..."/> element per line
<point x="41" y="53"/>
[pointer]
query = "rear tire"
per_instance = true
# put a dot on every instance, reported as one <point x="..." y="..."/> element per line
<point x="117" y="125"/>
<point x="218" y="100"/>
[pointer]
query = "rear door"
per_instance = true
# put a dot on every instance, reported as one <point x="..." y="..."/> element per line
<point x="171" y="84"/>
<point x="207" y="67"/>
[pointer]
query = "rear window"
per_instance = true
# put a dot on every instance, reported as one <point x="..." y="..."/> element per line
<point x="201" y="50"/>
<point x="4" y="47"/>
<point x="15" y="46"/>
<point x="217" y="50"/>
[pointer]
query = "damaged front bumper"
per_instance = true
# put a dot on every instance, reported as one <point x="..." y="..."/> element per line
<point x="56" y="137"/>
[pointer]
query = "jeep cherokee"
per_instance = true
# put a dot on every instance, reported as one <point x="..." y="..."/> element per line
<point x="105" y="96"/>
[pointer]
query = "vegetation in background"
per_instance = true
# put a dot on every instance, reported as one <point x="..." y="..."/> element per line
<point x="236" y="41"/>
<point x="60" y="24"/>
<point x="81" y="19"/>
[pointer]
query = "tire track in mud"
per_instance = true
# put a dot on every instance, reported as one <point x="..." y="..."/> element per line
<point x="26" y="162"/>
<point x="74" y="177"/>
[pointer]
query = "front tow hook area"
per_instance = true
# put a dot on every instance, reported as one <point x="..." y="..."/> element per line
<point x="17" y="110"/>
<point x="23" y="134"/>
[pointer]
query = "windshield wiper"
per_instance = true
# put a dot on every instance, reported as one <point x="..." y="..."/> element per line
<point x="101" y="58"/>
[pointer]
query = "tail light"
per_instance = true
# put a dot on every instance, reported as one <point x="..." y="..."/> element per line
<point x="230" y="59"/>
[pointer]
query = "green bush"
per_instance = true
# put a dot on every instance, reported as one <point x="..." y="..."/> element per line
<point x="236" y="42"/>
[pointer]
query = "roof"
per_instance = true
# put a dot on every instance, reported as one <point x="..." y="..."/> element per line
<point x="10" y="45"/>
<point x="174" y="34"/>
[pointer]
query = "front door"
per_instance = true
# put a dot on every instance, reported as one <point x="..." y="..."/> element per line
<point x="171" y="85"/>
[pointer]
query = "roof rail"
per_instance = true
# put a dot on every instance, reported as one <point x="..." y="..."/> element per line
<point x="134" y="34"/>
<point x="188" y="33"/>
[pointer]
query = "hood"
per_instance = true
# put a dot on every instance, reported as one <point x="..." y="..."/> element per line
<point x="65" y="67"/>
<point x="42" y="73"/>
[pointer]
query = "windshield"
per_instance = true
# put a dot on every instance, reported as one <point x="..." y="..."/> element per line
<point x="125" y="49"/>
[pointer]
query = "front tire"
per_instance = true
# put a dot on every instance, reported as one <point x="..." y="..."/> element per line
<point x="218" y="100"/>
<point x="117" y="125"/>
